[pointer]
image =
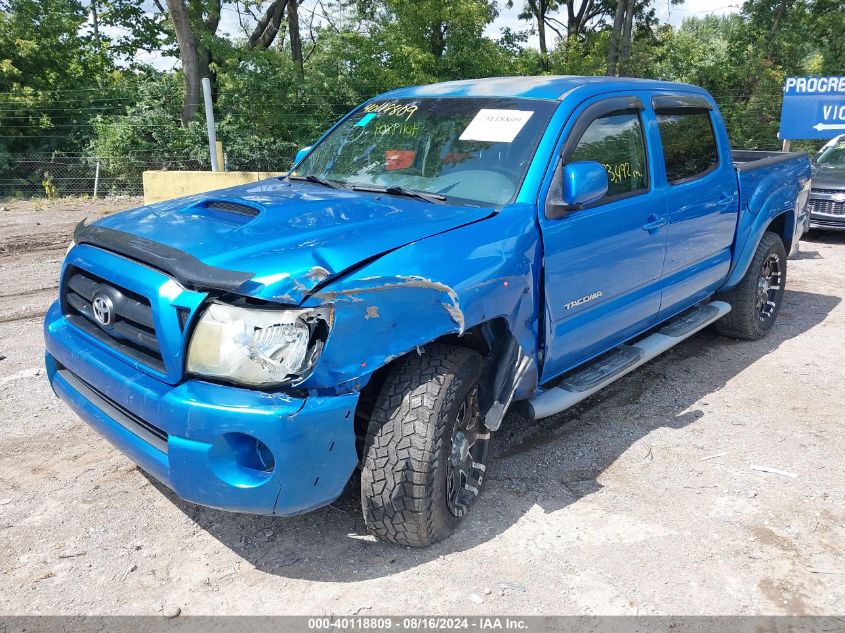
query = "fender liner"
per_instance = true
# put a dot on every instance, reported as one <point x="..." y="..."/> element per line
<point x="505" y="369"/>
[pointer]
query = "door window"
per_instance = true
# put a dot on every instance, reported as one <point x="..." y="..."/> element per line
<point x="616" y="141"/>
<point x="689" y="145"/>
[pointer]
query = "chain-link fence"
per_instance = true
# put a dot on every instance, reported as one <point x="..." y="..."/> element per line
<point x="38" y="176"/>
<point x="58" y="175"/>
<point x="103" y="176"/>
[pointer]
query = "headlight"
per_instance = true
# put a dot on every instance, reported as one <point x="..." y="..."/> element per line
<point x="257" y="347"/>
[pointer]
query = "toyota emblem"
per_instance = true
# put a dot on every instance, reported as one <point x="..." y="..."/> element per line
<point x="103" y="310"/>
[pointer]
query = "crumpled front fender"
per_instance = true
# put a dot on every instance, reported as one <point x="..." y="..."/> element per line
<point x="440" y="285"/>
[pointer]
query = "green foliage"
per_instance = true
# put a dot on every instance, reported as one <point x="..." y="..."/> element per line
<point x="581" y="57"/>
<point x="42" y="52"/>
<point x="65" y="91"/>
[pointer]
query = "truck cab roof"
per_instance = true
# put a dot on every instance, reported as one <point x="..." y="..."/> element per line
<point x="548" y="87"/>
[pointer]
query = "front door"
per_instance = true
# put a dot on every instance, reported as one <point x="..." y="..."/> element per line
<point x="603" y="262"/>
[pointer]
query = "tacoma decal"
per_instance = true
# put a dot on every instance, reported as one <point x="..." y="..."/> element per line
<point x="583" y="300"/>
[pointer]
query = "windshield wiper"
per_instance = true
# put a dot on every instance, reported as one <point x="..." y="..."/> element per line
<point x="319" y="180"/>
<point x="433" y="198"/>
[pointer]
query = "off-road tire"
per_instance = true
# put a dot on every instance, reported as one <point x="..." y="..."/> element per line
<point x="408" y="444"/>
<point x="744" y="321"/>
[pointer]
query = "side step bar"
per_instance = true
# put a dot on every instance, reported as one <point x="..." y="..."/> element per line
<point x="586" y="381"/>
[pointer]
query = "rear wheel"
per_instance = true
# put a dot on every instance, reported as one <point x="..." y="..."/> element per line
<point x="756" y="300"/>
<point x="427" y="451"/>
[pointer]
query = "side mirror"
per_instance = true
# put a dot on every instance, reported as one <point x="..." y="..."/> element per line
<point x="583" y="182"/>
<point x="301" y="154"/>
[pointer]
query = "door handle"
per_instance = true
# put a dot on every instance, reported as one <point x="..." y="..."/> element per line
<point x="653" y="223"/>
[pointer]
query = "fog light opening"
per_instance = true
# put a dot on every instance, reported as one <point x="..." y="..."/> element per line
<point x="265" y="457"/>
<point x="241" y="460"/>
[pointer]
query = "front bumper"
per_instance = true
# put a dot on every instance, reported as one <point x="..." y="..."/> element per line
<point x="225" y="447"/>
<point x="824" y="222"/>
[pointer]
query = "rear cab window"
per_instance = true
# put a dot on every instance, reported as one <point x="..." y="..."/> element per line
<point x="689" y="143"/>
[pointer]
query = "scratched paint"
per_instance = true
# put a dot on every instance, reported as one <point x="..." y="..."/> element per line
<point x="453" y="308"/>
<point x="317" y="273"/>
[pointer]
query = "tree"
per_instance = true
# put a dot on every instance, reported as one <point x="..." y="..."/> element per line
<point x="627" y="35"/>
<point x="267" y="27"/>
<point x="432" y="26"/>
<point x="295" y="40"/>
<point x="627" y="15"/>
<point x="195" y="23"/>
<point x="616" y="36"/>
<point x="64" y="87"/>
<point x="189" y="56"/>
<point x="51" y="69"/>
<point x="131" y="27"/>
<point x="539" y="12"/>
<point x="584" y="16"/>
<point x="827" y="24"/>
<point x="619" y="52"/>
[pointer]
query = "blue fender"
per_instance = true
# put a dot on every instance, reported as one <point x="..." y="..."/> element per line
<point x="765" y="195"/>
<point x="387" y="308"/>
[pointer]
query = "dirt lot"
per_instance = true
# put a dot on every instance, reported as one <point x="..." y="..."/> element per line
<point x="643" y="500"/>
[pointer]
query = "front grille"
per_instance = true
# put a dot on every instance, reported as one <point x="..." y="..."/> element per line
<point x="182" y="314"/>
<point x="826" y="206"/>
<point x="131" y="330"/>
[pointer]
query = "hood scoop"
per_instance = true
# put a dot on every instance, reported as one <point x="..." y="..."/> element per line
<point x="225" y="211"/>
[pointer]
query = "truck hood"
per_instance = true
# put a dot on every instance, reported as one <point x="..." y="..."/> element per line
<point x="828" y="176"/>
<point x="291" y="236"/>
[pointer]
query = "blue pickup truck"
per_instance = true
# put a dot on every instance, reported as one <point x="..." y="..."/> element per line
<point x="442" y="253"/>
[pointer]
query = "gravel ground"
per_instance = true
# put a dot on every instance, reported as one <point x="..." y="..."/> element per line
<point x="642" y="500"/>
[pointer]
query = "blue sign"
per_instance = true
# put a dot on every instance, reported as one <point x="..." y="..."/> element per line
<point x="813" y="107"/>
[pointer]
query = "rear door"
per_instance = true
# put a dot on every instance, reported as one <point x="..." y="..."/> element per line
<point x="697" y="174"/>
<point x="602" y="262"/>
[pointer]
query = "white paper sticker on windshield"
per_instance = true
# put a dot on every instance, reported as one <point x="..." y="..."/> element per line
<point x="496" y="126"/>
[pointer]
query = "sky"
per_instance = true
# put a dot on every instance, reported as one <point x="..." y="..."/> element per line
<point x="674" y="15"/>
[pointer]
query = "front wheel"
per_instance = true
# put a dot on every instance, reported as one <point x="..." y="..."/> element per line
<point x="427" y="452"/>
<point x="756" y="300"/>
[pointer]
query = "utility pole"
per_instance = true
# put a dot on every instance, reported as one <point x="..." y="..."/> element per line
<point x="209" y="123"/>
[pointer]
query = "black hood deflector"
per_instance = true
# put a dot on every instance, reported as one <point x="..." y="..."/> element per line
<point x="185" y="268"/>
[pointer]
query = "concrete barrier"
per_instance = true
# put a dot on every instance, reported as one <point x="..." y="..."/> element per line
<point x="166" y="185"/>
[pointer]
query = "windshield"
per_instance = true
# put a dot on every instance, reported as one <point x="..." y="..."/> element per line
<point x="832" y="154"/>
<point x="472" y="151"/>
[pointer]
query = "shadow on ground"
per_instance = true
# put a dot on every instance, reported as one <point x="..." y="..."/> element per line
<point x="822" y="237"/>
<point x="551" y="463"/>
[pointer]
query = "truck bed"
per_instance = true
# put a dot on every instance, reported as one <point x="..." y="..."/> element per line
<point x="772" y="181"/>
<point x="751" y="159"/>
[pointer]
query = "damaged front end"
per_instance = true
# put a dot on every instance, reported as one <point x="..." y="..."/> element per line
<point x="417" y="295"/>
<point x="303" y="322"/>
